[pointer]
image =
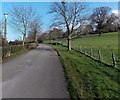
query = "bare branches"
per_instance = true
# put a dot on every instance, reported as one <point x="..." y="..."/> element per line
<point x="101" y="19"/>
<point x="35" y="28"/>
<point x="22" y="17"/>
<point x="68" y="15"/>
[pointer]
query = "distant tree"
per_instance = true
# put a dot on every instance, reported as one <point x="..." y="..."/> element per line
<point x="88" y="29"/>
<point x="69" y="15"/>
<point x="21" y="19"/>
<point x="35" y="28"/>
<point x="110" y="26"/>
<point x="43" y="37"/>
<point x="101" y="19"/>
<point x="55" y="33"/>
<point x="64" y="35"/>
<point x="117" y="24"/>
<point x="0" y="33"/>
<point x="16" y="42"/>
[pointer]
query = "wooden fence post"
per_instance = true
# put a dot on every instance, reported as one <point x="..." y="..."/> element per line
<point x="113" y="59"/>
<point x="99" y="54"/>
<point x="91" y="52"/>
<point x="80" y="49"/>
<point x="85" y="50"/>
<point x="56" y="42"/>
<point x="77" y="47"/>
<point x="74" y="47"/>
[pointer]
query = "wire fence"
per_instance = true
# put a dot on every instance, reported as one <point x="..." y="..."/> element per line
<point x="100" y="55"/>
<point x="104" y="56"/>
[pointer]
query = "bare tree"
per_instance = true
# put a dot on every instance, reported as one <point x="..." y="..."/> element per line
<point x="117" y="24"/>
<point x="101" y="19"/>
<point x="69" y="15"/>
<point x="0" y="33"/>
<point x="110" y="23"/>
<point x="21" y="19"/>
<point x="35" y="28"/>
<point x="88" y="29"/>
<point x="55" y="33"/>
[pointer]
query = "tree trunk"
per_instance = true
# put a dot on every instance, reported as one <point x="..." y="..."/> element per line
<point x="24" y="37"/>
<point x="35" y="38"/>
<point x="69" y="42"/>
<point x="100" y="32"/>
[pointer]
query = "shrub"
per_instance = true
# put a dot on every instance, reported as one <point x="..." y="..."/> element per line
<point x="16" y="42"/>
<point x="5" y="51"/>
<point x="12" y="49"/>
<point x="31" y="45"/>
<point x="16" y="48"/>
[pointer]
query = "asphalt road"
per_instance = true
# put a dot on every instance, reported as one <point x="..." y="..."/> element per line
<point x="36" y="74"/>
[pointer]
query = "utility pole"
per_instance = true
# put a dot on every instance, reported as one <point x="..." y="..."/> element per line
<point x="5" y="27"/>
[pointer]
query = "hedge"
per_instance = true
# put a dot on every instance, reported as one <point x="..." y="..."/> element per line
<point x="12" y="49"/>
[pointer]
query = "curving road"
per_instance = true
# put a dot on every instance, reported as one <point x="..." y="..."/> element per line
<point x="36" y="74"/>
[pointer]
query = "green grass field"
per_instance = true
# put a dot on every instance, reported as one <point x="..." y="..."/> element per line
<point x="107" y="43"/>
<point x="89" y="78"/>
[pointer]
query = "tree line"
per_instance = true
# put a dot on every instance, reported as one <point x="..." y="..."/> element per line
<point x="26" y="22"/>
<point x="72" y="18"/>
<point x="72" y="21"/>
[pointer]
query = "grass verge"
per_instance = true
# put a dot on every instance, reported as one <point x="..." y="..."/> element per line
<point x="87" y="78"/>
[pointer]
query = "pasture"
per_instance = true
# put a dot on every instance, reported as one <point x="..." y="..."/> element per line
<point x="106" y="43"/>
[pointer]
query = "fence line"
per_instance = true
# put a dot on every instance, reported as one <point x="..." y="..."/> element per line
<point x="91" y="54"/>
<point x="114" y="60"/>
<point x="99" y="53"/>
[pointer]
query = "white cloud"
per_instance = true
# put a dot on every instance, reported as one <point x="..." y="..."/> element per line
<point x="115" y="12"/>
